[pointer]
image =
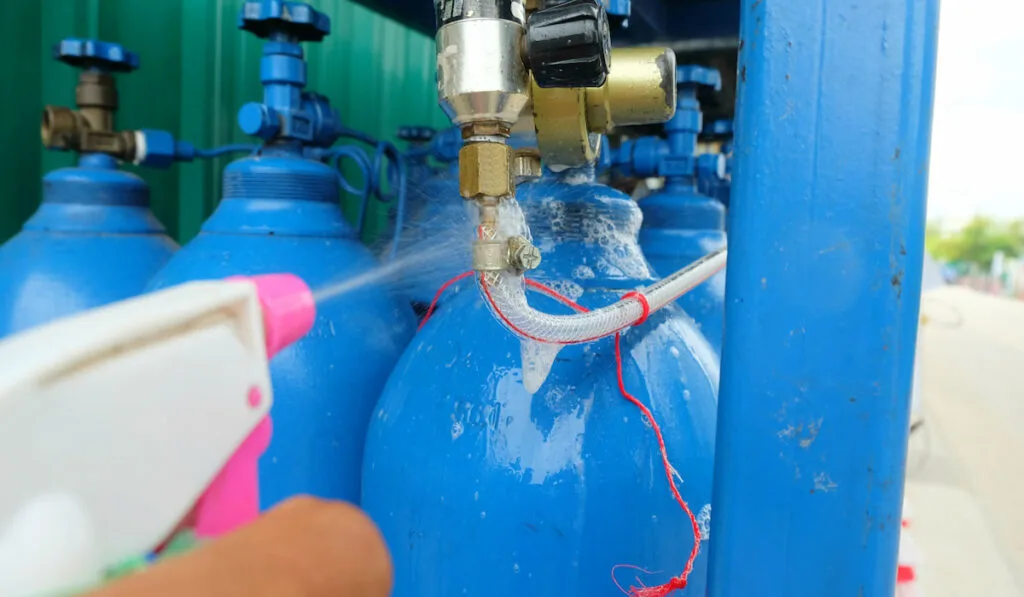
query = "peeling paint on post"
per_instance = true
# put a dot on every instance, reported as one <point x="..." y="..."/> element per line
<point x="832" y="138"/>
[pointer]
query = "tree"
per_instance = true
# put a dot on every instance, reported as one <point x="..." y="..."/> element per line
<point x="977" y="242"/>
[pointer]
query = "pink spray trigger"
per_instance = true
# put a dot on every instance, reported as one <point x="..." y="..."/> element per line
<point x="233" y="498"/>
<point x="288" y="309"/>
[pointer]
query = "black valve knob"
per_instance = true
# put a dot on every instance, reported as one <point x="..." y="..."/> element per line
<point x="569" y="45"/>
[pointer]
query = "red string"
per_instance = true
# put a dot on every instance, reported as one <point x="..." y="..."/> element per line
<point x="643" y="304"/>
<point x="677" y="582"/>
<point x="440" y="291"/>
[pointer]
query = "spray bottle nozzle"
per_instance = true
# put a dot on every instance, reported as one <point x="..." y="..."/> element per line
<point x="288" y="308"/>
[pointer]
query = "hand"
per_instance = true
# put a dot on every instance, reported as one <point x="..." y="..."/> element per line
<point x="303" y="548"/>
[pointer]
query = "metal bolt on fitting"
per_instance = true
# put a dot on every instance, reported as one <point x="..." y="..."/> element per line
<point x="522" y="255"/>
<point x="526" y="165"/>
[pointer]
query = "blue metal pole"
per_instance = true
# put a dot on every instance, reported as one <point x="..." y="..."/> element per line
<point x="823" y="289"/>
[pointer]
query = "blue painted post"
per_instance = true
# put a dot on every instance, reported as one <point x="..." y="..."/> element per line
<point x="827" y="233"/>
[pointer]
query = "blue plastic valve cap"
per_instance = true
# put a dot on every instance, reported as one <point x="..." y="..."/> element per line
<point x="258" y="120"/>
<point x="718" y="128"/>
<point x="264" y="17"/>
<point x="447" y="144"/>
<point x="691" y="74"/>
<point x="711" y="165"/>
<point x="91" y="53"/>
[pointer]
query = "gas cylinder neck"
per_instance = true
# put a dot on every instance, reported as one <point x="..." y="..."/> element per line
<point x="587" y="231"/>
<point x="280" y="175"/>
<point x="96" y="181"/>
<point x="283" y="147"/>
<point x="682" y="209"/>
<point x="98" y="161"/>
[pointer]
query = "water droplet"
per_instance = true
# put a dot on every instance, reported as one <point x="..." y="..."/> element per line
<point x="457" y="429"/>
<point x="483" y="514"/>
<point x="476" y="495"/>
<point x="674" y="351"/>
<point x="686" y="394"/>
<point x="515" y="568"/>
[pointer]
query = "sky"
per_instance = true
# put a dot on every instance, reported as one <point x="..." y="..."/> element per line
<point x="977" y="160"/>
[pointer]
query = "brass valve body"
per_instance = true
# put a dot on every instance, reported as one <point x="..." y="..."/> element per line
<point x="90" y="128"/>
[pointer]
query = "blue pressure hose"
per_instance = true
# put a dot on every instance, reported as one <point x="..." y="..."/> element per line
<point x="226" y="149"/>
<point x="398" y="170"/>
<point x="358" y="157"/>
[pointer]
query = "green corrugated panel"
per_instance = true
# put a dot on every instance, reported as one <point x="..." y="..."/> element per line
<point x="20" y="104"/>
<point x="197" y="69"/>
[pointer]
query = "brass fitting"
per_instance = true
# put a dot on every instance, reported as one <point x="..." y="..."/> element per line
<point x="90" y="129"/>
<point x="484" y="170"/>
<point x="640" y="89"/>
<point x="61" y="127"/>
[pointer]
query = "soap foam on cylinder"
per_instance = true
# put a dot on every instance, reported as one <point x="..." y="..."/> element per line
<point x="538" y="358"/>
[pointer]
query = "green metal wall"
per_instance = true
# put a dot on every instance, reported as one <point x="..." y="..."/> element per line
<point x="197" y="69"/>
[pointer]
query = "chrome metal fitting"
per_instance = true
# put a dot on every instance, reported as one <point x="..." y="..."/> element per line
<point x="516" y="254"/>
<point x="480" y="70"/>
<point x="490" y="256"/>
<point x="525" y="165"/>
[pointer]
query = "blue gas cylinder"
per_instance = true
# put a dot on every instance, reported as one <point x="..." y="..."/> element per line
<point x="280" y="213"/>
<point x="93" y="239"/>
<point x="481" y="488"/>
<point x="708" y="182"/>
<point x="680" y="224"/>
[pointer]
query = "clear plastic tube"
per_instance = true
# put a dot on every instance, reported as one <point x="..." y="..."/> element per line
<point x="506" y="294"/>
<point x="675" y="285"/>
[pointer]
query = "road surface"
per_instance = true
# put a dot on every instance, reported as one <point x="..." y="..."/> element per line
<point x="965" y="488"/>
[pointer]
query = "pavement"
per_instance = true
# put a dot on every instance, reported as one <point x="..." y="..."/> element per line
<point x="965" y="484"/>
